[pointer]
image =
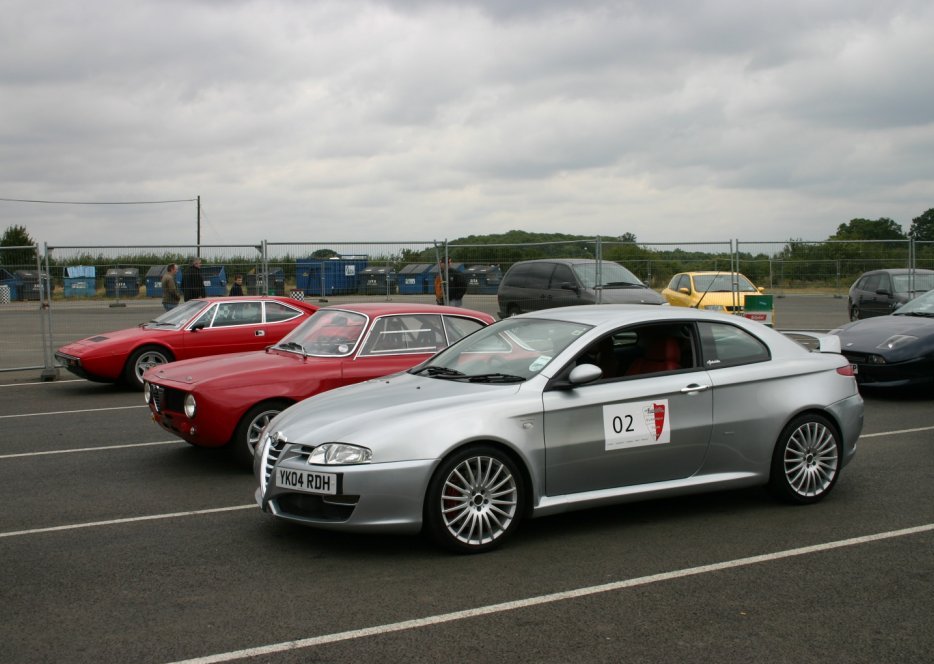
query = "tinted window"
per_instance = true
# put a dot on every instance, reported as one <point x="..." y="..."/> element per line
<point x="238" y="313"/>
<point x="727" y="346"/>
<point x="562" y="275"/>
<point x="869" y="283"/>
<point x="529" y="275"/>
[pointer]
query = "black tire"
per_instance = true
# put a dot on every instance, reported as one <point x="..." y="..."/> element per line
<point x="513" y="310"/>
<point x="806" y="460"/>
<point x="854" y="312"/>
<point x="475" y="500"/>
<point x="246" y="436"/>
<point x="142" y="359"/>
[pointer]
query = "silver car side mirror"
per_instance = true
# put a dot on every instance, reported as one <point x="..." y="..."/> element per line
<point x="585" y="373"/>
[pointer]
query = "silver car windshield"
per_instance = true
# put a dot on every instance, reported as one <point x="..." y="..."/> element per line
<point x="327" y="333"/>
<point x="510" y="351"/>
<point x="923" y="306"/>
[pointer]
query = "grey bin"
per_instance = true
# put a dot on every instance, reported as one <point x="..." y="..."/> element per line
<point x="121" y="282"/>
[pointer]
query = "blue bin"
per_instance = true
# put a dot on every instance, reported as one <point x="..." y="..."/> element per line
<point x="30" y="286"/>
<point x="333" y="276"/>
<point x="80" y="281"/>
<point x="416" y="279"/>
<point x="215" y="280"/>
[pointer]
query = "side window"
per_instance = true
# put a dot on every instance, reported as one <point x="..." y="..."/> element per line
<point x="537" y="276"/>
<point x="684" y="281"/>
<point x="205" y="319"/>
<point x="458" y="328"/>
<point x="885" y="282"/>
<point x="643" y="350"/>
<point x="238" y="313"/>
<point x="392" y="335"/>
<point x="562" y="275"/>
<point x="870" y="283"/>
<point x="276" y="312"/>
<point x="729" y="346"/>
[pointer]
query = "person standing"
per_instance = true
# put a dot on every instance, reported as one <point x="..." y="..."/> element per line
<point x="170" y="294"/>
<point x="192" y="281"/>
<point x="456" y="283"/>
<point x="237" y="288"/>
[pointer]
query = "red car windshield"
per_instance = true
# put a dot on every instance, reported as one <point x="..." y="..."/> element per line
<point x="329" y="332"/>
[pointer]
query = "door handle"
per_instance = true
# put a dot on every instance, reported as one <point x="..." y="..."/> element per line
<point x="260" y="333"/>
<point x="694" y="387"/>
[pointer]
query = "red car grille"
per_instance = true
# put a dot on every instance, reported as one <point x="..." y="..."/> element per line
<point x="167" y="399"/>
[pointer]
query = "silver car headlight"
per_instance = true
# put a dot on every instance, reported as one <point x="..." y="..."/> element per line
<point x="337" y="454"/>
<point x="895" y="341"/>
<point x="147" y="392"/>
<point x="191" y="406"/>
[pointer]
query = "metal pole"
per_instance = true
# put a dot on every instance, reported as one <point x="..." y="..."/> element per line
<point x="198" y="252"/>
<point x="49" y="372"/>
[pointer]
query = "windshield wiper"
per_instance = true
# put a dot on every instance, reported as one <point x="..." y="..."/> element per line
<point x="621" y="284"/>
<point x="291" y="345"/>
<point x="434" y="370"/>
<point x="494" y="378"/>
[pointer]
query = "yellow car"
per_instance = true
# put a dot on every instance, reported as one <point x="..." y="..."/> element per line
<point x="719" y="291"/>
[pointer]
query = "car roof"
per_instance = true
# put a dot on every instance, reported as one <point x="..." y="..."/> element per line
<point x="597" y="314"/>
<point x="899" y="270"/>
<point x="702" y="273"/>
<point x="383" y="308"/>
<point x="566" y="261"/>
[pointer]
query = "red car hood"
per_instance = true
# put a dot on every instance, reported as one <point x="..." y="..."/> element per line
<point x="233" y="369"/>
<point x="116" y="339"/>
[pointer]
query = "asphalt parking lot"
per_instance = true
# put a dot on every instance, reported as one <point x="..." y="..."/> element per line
<point x="119" y="544"/>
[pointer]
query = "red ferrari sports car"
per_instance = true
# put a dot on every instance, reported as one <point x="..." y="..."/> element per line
<point x="195" y="328"/>
<point x="215" y="402"/>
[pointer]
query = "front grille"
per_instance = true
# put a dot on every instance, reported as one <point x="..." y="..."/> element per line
<point x="273" y="452"/>
<point x="167" y="399"/>
<point x="319" y="508"/>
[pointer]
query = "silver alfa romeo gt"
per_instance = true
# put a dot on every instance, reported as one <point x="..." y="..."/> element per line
<point x="565" y="409"/>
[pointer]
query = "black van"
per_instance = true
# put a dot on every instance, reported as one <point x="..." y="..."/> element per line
<point x="562" y="282"/>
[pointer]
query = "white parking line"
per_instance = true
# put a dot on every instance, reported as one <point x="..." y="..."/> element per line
<point x="44" y="382"/>
<point x="547" y="599"/>
<point x="893" y="433"/>
<point x="111" y="522"/>
<point x="91" y="449"/>
<point x="71" y="412"/>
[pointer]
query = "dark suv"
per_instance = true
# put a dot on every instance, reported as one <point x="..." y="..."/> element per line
<point x="561" y="282"/>
<point x="880" y="292"/>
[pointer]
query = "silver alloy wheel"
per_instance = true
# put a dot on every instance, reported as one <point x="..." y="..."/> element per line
<point x="811" y="461"/>
<point x="256" y="426"/>
<point x="479" y="500"/>
<point x="147" y="359"/>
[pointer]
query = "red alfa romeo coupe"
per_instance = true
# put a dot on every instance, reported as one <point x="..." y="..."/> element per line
<point x="226" y="401"/>
<point x="194" y="328"/>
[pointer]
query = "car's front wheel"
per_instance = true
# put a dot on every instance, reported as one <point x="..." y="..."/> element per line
<point x="854" y="312"/>
<point x="246" y="436"/>
<point x="142" y="359"/>
<point x="475" y="500"/>
<point x="806" y="461"/>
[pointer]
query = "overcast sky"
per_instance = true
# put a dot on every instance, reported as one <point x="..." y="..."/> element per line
<point x="304" y="121"/>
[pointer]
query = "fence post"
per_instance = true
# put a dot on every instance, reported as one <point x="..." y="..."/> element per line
<point x="49" y="371"/>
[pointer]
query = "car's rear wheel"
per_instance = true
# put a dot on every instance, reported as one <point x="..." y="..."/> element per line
<point x="854" y="312"/>
<point x="475" y="500"/>
<point x="513" y="310"/>
<point x="246" y="435"/>
<point x="142" y="359"/>
<point x="806" y="461"/>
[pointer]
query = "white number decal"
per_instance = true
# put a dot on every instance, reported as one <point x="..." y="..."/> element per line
<point x="636" y="424"/>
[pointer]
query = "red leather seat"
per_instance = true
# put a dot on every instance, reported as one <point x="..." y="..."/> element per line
<point x="660" y="355"/>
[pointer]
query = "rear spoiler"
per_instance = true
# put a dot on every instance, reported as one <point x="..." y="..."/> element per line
<point x="815" y="341"/>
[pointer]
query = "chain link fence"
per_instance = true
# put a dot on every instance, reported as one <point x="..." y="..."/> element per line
<point x="56" y="295"/>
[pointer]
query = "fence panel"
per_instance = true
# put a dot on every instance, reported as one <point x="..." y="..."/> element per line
<point x="75" y="292"/>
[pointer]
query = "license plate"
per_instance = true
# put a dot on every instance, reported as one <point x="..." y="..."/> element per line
<point x="307" y="481"/>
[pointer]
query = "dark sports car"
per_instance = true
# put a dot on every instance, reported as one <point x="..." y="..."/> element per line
<point x="893" y="350"/>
